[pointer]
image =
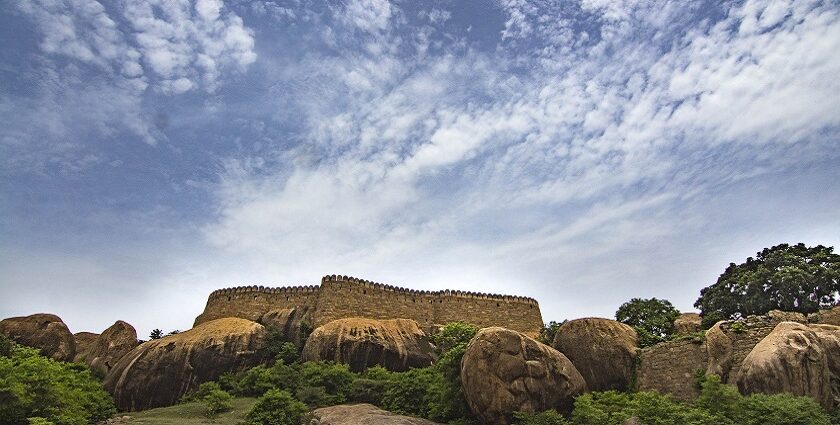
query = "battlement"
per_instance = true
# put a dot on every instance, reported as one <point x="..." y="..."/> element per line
<point x="340" y="296"/>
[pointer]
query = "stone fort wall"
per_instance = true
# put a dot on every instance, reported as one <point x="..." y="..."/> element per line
<point x="342" y="296"/>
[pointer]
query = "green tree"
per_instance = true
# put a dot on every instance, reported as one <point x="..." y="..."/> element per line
<point x="217" y="401"/>
<point x="33" y="386"/>
<point x="548" y="331"/>
<point x="156" y="334"/>
<point x="652" y="318"/>
<point x="452" y="334"/>
<point x="276" y="407"/>
<point x="784" y="277"/>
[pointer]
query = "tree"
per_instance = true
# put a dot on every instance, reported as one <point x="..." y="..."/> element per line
<point x="652" y="318"/>
<point x="156" y="334"/>
<point x="784" y="277"/>
<point x="276" y="407"/>
<point x="548" y="331"/>
<point x="452" y="334"/>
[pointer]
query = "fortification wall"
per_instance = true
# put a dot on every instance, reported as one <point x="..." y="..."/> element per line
<point x="342" y="296"/>
<point x="671" y="367"/>
<point x="251" y="302"/>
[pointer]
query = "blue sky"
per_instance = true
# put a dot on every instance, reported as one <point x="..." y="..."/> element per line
<point x="581" y="152"/>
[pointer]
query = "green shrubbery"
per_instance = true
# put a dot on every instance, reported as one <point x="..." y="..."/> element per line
<point x="35" y="389"/>
<point x="277" y="407"/>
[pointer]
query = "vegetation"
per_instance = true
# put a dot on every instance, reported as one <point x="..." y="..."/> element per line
<point x="35" y="389"/>
<point x="156" y="334"/>
<point x="784" y="277"/>
<point x="218" y="401"/>
<point x="193" y="413"/>
<point x="453" y="334"/>
<point x="548" y="331"/>
<point x="652" y="318"/>
<point x="277" y="407"/>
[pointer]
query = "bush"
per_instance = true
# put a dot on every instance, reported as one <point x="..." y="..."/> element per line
<point x="202" y="391"/>
<point x="548" y="332"/>
<point x="452" y="334"/>
<point x="276" y="407"/>
<point x="39" y="421"/>
<point x="549" y="417"/>
<point x="6" y="346"/>
<point x="779" y="409"/>
<point x="278" y="347"/>
<point x="217" y="401"/>
<point x="32" y="386"/>
<point x="336" y="380"/>
<point x="371" y="391"/>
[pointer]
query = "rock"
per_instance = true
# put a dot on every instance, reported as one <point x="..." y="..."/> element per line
<point x="161" y="371"/>
<point x="797" y="359"/>
<point x="396" y="344"/>
<point x="719" y="350"/>
<point x="787" y="316"/>
<point x="84" y="340"/>
<point x="109" y="347"/>
<point x="687" y="323"/>
<point x="603" y="351"/>
<point x="45" y="332"/>
<point x="828" y="317"/>
<point x="504" y="371"/>
<point x="293" y="322"/>
<point x="362" y="414"/>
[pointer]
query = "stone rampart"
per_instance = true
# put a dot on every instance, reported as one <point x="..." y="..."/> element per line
<point x="342" y="296"/>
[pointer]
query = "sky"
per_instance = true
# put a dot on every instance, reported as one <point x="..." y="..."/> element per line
<point x="581" y="152"/>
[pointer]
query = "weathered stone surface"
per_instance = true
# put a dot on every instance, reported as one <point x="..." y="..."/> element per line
<point x="84" y="340"/>
<point x="797" y="359"/>
<point x="362" y="414"/>
<point x="397" y="344"/>
<point x="504" y="371"/>
<point x="687" y="323"/>
<point x="602" y="350"/>
<point x="293" y="322"/>
<point x="719" y="349"/>
<point x="45" y="332"/>
<point x="109" y="347"/>
<point x="159" y="372"/>
<point x="827" y="317"/>
<point x="671" y="367"/>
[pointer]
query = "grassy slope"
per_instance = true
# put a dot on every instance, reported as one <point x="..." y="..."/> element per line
<point x="191" y="414"/>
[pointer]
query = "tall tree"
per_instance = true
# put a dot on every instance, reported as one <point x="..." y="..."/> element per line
<point x="653" y="319"/>
<point x="784" y="277"/>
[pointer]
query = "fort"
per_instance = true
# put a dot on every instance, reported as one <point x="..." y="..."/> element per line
<point x="340" y="297"/>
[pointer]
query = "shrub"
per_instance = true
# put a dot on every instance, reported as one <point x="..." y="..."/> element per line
<point x="549" y="417"/>
<point x="217" y="401"/>
<point x="779" y="409"/>
<point x="548" y="332"/>
<point x="202" y="391"/>
<point x="6" y="346"/>
<point x="276" y="407"/>
<point x="334" y="378"/>
<point x="32" y="386"/>
<point x="453" y="334"/>
<point x="254" y="382"/>
<point x="39" y="421"/>
<point x="613" y="408"/>
<point x="278" y="347"/>
<point x="407" y="394"/>
<point x="371" y="391"/>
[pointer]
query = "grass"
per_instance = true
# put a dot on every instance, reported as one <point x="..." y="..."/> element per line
<point x="191" y="414"/>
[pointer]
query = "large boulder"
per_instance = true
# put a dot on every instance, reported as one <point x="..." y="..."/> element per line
<point x="109" y="347"/>
<point x="687" y="323"/>
<point x="362" y="414"/>
<point x="294" y="323"/>
<point x="504" y="371"/>
<point x="84" y="341"/>
<point x="45" y="332"/>
<point x="794" y="358"/>
<point x="159" y="372"/>
<point x="396" y="344"/>
<point x="603" y="351"/>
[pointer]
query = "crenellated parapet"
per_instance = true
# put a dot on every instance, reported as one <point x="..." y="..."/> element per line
<point x="340" y="296"/>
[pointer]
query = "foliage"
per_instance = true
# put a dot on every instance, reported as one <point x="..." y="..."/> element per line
<point x="365" y="390"/>
<point x="278" y="347"/>
<point x="277" y="407"/>
<point x="784" y="277"/>
<point x="549" y="417"/>
<point x="202" y="391"/>
<point x="218" y="401"/>
<point x="39" y="421"/>
<point x="6" y="346"/>
<point x="174" y="332"/>
<point x="407" y="394"/>
<point x="335" y="378"/>
<point x="613" y="408"/>
<point x="548" y="331"/>
<point x="652" y="318"/>
<point x="452" y="334"/>
<point x="32" y="386"/>
<point x="156" y="334"/>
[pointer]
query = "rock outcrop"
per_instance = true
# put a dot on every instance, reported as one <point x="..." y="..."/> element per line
<point x="687" y="323"/>
<point x="603" y="351"/>
<point x="396" y="344"/>
<point x="827" y="317"/>
<point x="292" y="322"/>
<point x="504" y="371"/>
<point x="45" y="332"/>
<point x="362" y="414"/>
<point x="159" y="372"/>
<point x="109" y="347"/>
<point x="84" y="341"/>
<point x="720" y="351"/>
<point x="795" y="358"/>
